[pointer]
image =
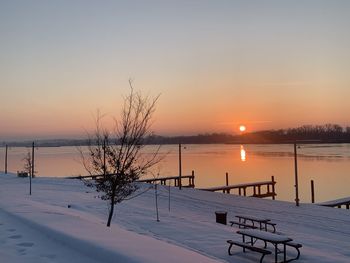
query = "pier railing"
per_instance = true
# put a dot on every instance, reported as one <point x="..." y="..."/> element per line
<point x="258" y="189"/>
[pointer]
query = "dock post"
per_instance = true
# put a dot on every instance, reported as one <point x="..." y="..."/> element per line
<point x="312" y="192"/>
<point x="296" y="175"/>
<point x="227" y="182"/>
<point x="273" y="187"/>
<point x="192" y="184"/>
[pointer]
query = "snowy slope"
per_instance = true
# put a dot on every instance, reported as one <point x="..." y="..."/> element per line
<point x="49" y="231"/>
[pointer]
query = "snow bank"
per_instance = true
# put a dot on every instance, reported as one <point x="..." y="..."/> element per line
<point x="186" y="233"/>
<point x="83" y="233"/>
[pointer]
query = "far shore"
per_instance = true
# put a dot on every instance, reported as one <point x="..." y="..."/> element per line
<point x="83" y="142"/>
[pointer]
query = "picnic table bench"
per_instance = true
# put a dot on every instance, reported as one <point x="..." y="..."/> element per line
<point x="263" y="251"/>
<point x="242" y="225"/>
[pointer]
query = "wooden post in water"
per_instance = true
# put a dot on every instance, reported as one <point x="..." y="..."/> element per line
<point x="180" y="167"/>
<point x="6" y="149"/>
<point x="227" y="191"/>
<point x="192" y="183"/>
<point x="273" y="187"/>
<point x="296" y="176"/>
<point x="312" y="192"/>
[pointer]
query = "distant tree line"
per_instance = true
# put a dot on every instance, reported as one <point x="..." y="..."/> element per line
<point x="46" y="143"/>
<point x="327" y="133"/>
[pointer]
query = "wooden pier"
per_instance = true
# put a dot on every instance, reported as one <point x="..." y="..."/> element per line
<point x="176" y="179"/>
<point x="161" y="180"/>
<point x="337" y="203"/>
<point x="255" y="189"/>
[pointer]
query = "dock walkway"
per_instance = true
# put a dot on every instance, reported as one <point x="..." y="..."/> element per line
<point x="337" y="203"/>
<point x="256" y="189"/>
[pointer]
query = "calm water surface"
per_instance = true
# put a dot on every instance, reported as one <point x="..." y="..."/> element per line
<point x="328" y="165"/>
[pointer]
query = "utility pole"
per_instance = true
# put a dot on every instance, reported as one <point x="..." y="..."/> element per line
<point x="104" y="157"/>
<point x="6" y="149"/>
<point x="296" y="175"/>
<point x="180" y="168"/>
<point x="32" y="172"/>
<point x="312" y="192"/>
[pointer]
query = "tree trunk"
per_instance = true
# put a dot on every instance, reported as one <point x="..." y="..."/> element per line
<point x="111" y="211"/>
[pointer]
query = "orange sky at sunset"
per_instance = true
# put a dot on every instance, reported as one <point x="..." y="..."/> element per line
<point x="217" y="64"/>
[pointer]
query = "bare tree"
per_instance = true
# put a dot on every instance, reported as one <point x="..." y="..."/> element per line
<point x="28" y="165"/>
<point x="116" y="157"/>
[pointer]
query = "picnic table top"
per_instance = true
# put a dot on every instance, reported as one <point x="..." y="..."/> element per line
<point x="263" y="235"/>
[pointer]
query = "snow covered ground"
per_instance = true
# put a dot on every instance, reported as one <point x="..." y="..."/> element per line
<point x="41" y="227"/>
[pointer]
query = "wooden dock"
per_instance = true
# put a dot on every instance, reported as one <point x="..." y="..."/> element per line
<point x="258" y="189"/>
<point x="161" y="180"/>
<point x="337" y="203"/>
<point x="176" y="179"/>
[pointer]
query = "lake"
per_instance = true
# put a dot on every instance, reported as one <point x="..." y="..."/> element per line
<point x="327" y="164"/>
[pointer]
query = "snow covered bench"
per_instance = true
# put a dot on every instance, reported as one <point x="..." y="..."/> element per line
<point x="245" y="246"/>
<point x="242" y="225"/>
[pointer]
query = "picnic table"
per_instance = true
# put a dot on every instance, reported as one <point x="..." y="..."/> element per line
<point x="274" y="239"/>
<point x="262" y="222"/>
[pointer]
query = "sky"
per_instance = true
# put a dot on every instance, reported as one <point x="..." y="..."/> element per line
<point x="217" y="64"/>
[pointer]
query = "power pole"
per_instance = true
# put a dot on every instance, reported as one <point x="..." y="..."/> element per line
<point x="104" y="157"/>
<point x="312" y="192"/>
<point x="6" y="149"/>
<point x="296" y="175"/>
<point x="32" y="172"/>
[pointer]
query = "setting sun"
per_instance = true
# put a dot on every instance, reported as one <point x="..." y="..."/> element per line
<point x="242" y="128"/>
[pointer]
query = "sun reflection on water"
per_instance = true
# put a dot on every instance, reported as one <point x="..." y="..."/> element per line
<point x="243" y="154"/>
